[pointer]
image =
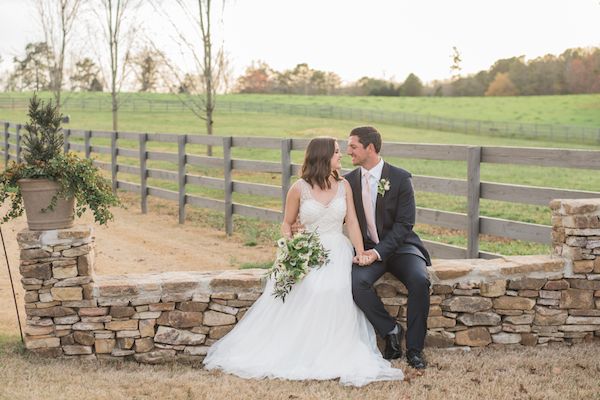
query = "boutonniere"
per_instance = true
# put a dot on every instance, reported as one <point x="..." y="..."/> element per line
<point x="383" y="186"/>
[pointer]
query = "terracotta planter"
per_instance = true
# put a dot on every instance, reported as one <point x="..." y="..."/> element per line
<point x="37" y="194"/>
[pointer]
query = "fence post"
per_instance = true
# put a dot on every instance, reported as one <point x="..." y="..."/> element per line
<point x="18" y="142"/>
<point x="113" y="160"/>
<point x="286" y="168"/>
<point x="6" y="125"/>
<point x="66" y="140"/>
<point x="143" y="173"/>
<point x="181" y="141"/>
<point x="228" y="185"/>
<point x="86" y="139"/>
<point x="473" y="191"/>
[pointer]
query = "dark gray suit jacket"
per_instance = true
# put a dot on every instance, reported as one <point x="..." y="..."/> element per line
<point x="394" y="214"/>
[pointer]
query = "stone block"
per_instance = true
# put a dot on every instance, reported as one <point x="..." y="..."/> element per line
<point x="527" y="283"/>
<point x="506" y="338"/>
<point x="84" y="338"/>
<point x="525" y="319"/>
<point x="93" y="311"/>
<point x="217" y="332"/>
<point x="178" y="337"/>
<point x="160" y="356"/>
<point x="125" y="325"/>
<point x="196" y="350"/>
<point x="77" y="350"/>
<point x="162" y="307"/>
<point x="85" y="264"/>
<point x="67" y="293"/>
<point x="577" y="298"/>
<point x="440" y="322"/>
<point x="128" y="334"/>
<point x="466" y="304"/>
<point x="439" y="339"/>
<point x="475" y="337"/>
<point x="583" y="266"/>
<point x="34" y="254"/>
<point x="32" y="330"/>
<point x="495" y="288"/>
<point x="37" y="271"/>
<point x="584" y="284"/>
<point x="78" y="251"/>
<point x="51" y="312"/>
<point x="549" y="316"/>
<point x="529" y="339"/>
<point x="143" y="345"/>
<point x="180" y="319"/>
<point x="88" y="326"/>
<point x="385" y="290"/>
<point x="514" y="303"/>
<point x="64" y="272"/>
<point x="67" y="320"/>
<point x="223" y="309"/>
<point x="121" y="311"/>
<point x="214" y="318"/>
<point x="572" y="320"/>
<point x="104" y="346"/>
<point x="479" y="318"/>
<point x="194" y="306"/>
<point x="31" y="343"/>
<point x="146" y="327"/>
<point x="560" y="284"/>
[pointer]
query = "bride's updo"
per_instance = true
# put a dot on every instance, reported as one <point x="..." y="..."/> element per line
<point x="316" y="168"/>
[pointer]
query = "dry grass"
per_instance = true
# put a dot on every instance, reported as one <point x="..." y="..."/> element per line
<point x="556" y="372"/>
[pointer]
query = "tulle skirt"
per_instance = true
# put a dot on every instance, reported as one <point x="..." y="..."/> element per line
<point x="317" y="333"/>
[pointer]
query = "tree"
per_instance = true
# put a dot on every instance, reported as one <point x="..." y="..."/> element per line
<point x="148" y="63"/>
<point x="257" y="78"/>
<point x="86" y="76"/>
<point x="57" y="18"/>
<point x="502" y="86"/>
<point x="119" y="34"/>
<point x="32" y="72"/>
<point x="455" y="67"/>
<point x="412" y="86"/>
<point x="210" y="65"/>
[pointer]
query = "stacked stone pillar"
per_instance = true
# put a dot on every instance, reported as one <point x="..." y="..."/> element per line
<point x="56" y="269"/>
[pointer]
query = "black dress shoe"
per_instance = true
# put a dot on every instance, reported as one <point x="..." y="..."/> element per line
<point x="393" y="344"/>
<point x="415" y="359"/>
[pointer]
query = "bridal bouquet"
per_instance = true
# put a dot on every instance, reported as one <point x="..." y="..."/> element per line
<point x="295" y="257"/>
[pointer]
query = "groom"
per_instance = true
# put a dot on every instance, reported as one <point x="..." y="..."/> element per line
<point x="385" y="206"/>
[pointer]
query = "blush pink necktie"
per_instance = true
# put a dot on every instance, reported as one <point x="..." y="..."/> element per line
<point x="368" y="206"/>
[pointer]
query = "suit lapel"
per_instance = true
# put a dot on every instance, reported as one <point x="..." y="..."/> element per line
<point x="356" y="184"/>
<point x="379" y="206"/>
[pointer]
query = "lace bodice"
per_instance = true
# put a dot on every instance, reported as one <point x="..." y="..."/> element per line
<point x="324" y="218"/>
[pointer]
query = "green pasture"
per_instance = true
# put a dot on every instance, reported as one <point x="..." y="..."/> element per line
<point x="580" y="110"/>
<point x="294" y="126"/>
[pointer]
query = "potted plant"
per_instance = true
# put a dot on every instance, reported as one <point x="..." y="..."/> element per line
<point x="49" y="185"/>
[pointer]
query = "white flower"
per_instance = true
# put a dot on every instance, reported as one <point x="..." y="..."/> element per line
<point x="383" y="186"/>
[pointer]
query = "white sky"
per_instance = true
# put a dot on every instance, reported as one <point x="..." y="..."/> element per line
<point x="377" y="38"/>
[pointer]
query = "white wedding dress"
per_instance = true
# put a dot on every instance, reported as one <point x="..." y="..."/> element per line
<point x="319" y="332"/>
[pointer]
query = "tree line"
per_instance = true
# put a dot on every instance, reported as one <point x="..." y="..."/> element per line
<point x="574" y="71"/>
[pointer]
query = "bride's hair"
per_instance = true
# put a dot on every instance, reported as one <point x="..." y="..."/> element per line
<point x="316" y="168"/>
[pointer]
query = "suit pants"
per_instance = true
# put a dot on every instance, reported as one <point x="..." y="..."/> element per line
<point x="411" y="270"/>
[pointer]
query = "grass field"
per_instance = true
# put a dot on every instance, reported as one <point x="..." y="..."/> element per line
<point x="563" y="109"/>
<point x="581" y="110"/>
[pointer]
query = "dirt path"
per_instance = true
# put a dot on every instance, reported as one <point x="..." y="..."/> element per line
<point x="137" y="243"/>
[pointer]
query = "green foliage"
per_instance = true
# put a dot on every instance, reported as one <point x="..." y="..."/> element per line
<point x="295" y="256"/>
<point x="43" y="140"/>
<point x="77" y="177"/>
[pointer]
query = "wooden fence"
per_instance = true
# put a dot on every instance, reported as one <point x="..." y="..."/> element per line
<point x="472" y="188"/>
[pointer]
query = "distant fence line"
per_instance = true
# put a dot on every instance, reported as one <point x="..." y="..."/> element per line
<point x="472" y="188"/>
<point x="562" y="133"/>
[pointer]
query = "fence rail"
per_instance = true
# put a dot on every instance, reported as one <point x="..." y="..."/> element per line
<point x="135" y="162"/>
<point x="563" y="133"/>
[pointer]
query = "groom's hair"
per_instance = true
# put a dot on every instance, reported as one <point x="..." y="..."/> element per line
<point x="367" y="135"/>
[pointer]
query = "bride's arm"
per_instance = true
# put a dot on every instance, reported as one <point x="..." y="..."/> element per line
<point x="352" y="221"/>
<point x="292" y="206"/>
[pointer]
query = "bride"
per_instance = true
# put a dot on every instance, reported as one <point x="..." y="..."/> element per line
<point x="318" y="333"/>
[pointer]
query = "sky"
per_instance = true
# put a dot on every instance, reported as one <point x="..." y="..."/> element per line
<point x="386" y="39"/>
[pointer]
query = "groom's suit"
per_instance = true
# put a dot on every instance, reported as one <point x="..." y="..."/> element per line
<point x="402" y="254"/>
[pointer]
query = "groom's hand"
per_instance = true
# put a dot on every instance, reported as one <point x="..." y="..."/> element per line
<point x="369" y="257"/>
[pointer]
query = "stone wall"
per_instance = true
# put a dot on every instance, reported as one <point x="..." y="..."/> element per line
<point x="152" y="318"/>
